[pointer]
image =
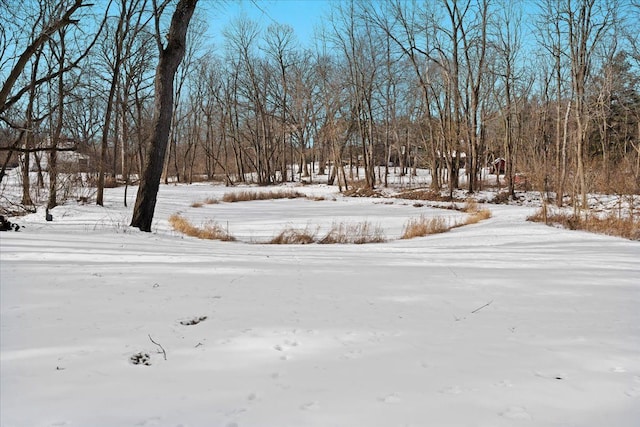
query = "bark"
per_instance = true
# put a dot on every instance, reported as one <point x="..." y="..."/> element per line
<point x="170" y="58"/>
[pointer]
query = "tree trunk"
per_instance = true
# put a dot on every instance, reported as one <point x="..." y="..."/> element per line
<point x="170" y="58"/>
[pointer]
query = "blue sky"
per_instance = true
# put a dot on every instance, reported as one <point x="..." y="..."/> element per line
<point x="302" y="15"/>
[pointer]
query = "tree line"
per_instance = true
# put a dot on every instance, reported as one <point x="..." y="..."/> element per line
<point x="551" y="87"/>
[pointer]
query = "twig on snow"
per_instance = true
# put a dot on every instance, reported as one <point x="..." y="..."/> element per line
<point x="480" y="308"/>
<point x="163" y="352"/>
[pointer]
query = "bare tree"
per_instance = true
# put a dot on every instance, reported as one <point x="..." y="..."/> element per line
<point x="170" y="57"/>
<point x="507" y="50"/>
<point x="586" y="23"/>
<point x="48" y="22"/>
<point x="62" y="17"/>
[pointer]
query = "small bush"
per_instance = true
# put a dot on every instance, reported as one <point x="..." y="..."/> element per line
<point x="211" y="201"/>
<point x="245" y="196"/>
<point x="292" y="236"/>
<point x="359" y="233"/>
<point x="210" y="231"/>
<point x="196" y="205"/>
<point x="423" y="226"/>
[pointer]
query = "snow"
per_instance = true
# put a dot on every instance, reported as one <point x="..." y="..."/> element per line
<point x="501" y="323"/>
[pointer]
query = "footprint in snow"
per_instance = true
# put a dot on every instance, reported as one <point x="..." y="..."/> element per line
<point x="635" y="390"/>
<point x="504" y="383"/>
<point x="451" y="390"/>
<point x="516" y="413"/>
<point x="352" y="355"/>
<point x="310" y="406"/>
<point x="153" y="421"/>
<point x="193" y="321"/>
<point x="391" y="398"/>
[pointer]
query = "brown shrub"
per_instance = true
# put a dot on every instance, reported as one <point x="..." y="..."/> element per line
<point x="611" y="225"/>
<point x="470" y="206"/>
<point x="292" y="236"/>
<point x="245" y="196"/>
<point x="210" y="231"/>
<point x="196" y="204"/>
<point x="211" y="201"/>
<point x="423" y="194"/>
<point x="423" y="226"/>
<point x="359" y="233"/>
<point x="477" y="216"/>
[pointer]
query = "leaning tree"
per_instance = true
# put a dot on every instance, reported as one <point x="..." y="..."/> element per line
<point x="169" y="60"/>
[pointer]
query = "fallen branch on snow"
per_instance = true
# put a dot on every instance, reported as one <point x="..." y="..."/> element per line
<point x="163" y="352"/>
<point x="480" y="308"/>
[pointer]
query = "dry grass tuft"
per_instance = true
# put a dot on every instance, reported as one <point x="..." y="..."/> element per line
<point x="211" y="201"/>
<point x="470" y="206"/>
<point x="246" y="196"/>
<point x="611" y="225"/>
<point x="196" y="204"/>
<point x="210" y="231"/>
<point x="477" y="216"/>
<point x="359" y="233"/>
<point x="420" y="227"/>
<point x="423" y="194"/>
<point x="292" y="236"/>
<point x="423" y="226"/>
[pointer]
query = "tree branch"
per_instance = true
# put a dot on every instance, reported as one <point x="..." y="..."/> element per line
<point x="163" y="352"/>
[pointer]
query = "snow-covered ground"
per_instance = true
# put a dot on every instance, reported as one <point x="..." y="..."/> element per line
<point x="501" y="323"/>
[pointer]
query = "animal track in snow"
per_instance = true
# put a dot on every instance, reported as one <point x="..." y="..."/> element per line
<point x="153" y="421"/>
<point x="504" y="383"/>
<point x="352" y="355"/>
<point x="310" y="406"/>
<point x="451" y="390"/>
<point x="516" y="413"/>
<point x="193" y="321"/>
<point x="391" y="398"/>
<point x="635" y="390"/>
<point x="286" y="345"/>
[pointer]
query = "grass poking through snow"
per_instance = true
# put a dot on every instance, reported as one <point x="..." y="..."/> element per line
<point x="245" y="196"/>
<point x="210" y="231"/>
<point x="292" y="236"/>
<point x="358" y="233"/>
<point x="423" y="226"/>
<point x="627" y="227"/>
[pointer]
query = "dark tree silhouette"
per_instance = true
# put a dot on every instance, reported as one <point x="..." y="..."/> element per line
<point x="170" y="57"/>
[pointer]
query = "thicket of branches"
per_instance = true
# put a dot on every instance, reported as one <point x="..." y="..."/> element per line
<point x="552" y="88"/>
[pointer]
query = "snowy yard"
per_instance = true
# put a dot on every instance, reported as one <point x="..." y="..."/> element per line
<point x="501" y="323"/>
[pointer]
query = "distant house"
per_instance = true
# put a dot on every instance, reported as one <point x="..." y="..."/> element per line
<point x="68" y="160"/>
